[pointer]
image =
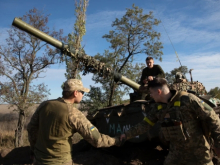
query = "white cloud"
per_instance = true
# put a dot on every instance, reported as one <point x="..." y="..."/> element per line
<point x="179" y="33"/>
<point x="206" y="67"/>
<point x="209" y="22"/>
<point x="197" y="24"/>
<point x="211" y="5"/>
<point x="207" y="60"/>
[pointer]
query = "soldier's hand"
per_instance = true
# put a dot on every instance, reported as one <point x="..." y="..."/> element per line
<point x="145" y="81"/>
<point x="150" y="78"/>
<point x="120" y="140"/>
<point x="122" y="137"/>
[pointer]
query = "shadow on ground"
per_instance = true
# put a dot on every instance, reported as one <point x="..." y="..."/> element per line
<point x="84" y="153"/>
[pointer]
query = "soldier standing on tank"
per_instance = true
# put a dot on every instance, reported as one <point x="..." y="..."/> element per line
<point x="180" y="115"/>
<point x="55" y="121"/>
<point x="151" y="71"/>
<point x="148" y="73"/>
<point x="181" y="84"/>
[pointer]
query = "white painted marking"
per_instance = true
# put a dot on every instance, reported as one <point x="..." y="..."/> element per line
<point x="107" y="120"/>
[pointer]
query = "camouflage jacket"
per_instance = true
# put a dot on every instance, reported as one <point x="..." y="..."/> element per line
<point x="180" y="124"/>
<point x="52" y="126"/>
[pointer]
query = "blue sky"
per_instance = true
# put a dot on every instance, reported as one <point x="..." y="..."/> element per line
<point x="193" y="27"/>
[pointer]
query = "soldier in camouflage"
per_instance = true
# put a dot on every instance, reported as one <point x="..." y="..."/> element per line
<point x="55" y="121"/>
<point x="181" y="84"/>
<point x="180" y="115"/>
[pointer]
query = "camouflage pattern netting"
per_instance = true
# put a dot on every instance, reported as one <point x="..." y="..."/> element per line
<point x="189" y="86"/>
<point x="90" y="64"/>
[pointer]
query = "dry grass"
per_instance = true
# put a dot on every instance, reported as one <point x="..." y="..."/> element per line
<point x="7" y="139"/>
<point x="4" y="108"/>
<point x="8" y="124"/>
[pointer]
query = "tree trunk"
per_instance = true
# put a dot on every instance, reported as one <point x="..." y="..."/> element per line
<point x="75" y="72"/>
<point x="112" y="94"/>
<point x="19" y="129"/>
<point x="110" y="99"/>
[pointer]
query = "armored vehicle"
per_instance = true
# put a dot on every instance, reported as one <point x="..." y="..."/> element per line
<point x="111" y="120"/>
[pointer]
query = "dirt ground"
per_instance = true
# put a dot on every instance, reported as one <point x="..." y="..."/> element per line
<point x="85" y="154"/>
<point x="145" y="153"/>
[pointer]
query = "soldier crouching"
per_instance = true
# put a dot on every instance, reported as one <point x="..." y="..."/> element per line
<point x="180" y="115"/>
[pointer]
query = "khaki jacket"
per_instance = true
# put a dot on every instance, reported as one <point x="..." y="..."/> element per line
<point x="52" y="126"/>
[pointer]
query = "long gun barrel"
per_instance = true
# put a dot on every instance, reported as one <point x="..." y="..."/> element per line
<point x="37" y="33"/>
<point x="90" y="63"/>
<point x="125" y="80"/>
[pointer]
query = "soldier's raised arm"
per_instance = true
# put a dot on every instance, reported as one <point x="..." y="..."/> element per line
<point x="146" y="124"/>
<point x="89" y="132"/>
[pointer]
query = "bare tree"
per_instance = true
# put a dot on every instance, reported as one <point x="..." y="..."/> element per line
<point x="22" y="59"/>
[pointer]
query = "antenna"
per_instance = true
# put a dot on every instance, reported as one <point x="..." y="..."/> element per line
<point x="169" y="38"/>
<point x="171" y="42"/>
